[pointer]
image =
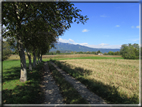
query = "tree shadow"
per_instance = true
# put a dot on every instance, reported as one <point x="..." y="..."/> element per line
<point x="71" y="96"/>
<point x="12" y="73"/>
<point x="29" y="92"/>
<point x="109" y="93"/>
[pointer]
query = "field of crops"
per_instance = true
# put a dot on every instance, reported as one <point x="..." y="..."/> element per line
<point x="113" y="72"/>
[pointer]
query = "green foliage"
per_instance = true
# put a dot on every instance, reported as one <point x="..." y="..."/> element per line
<point x="35" y="26"/>
<point x="57" y="52"/>
<point x="6" y="52"/>
<point x="117" y="53"/>
<point x="105" y="53"/>
<point x="98" y="51"/>
<point x="130" y="51"/>
<point x="110" y="53"/>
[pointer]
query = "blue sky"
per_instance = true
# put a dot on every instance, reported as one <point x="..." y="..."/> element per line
<point x="109" y="26"/>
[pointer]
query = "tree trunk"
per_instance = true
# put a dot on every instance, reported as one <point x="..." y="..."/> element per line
<point x="30" y="62"/>
<point x="41" y="58"/>
<point x="38" y="57"/>
<point x="34" y="59"/>
<point x="38" y="60"/>
<point x="23" y="74"/>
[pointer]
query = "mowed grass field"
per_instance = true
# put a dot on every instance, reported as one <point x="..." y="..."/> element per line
<point x="16" y="92"/>
<point x="121" y="73"/>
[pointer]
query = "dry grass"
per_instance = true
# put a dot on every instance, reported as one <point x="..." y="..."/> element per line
<point x="77" y="55"/>
<point x="114" y="72"/>
<point x="15" y="57"/>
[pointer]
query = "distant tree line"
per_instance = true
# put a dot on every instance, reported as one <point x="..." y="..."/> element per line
<point x="6" y="51"/>
<point x="130" y="51"/>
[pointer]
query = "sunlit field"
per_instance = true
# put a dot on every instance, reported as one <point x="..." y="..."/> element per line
<point x="120" y="73"/>
<point x="71" y="56"/>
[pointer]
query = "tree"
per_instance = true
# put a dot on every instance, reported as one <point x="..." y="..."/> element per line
<point x="110" y="53"/>
<point x="94" y="52"/>
<point x="117" y="53"/>
<point x="105" y="53"/>
<point x="98" y="51"/>
<point x="130" y="51"/>
<point x="55" y="18"/>
<point x="57" y="52"/>
<point x="6" y="52"/>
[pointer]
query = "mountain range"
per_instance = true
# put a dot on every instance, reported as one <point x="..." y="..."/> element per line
<point x="67" y="47"/>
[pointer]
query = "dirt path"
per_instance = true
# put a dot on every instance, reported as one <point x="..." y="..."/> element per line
<point x="84" y="92"/>
<point x="52" y="93"/>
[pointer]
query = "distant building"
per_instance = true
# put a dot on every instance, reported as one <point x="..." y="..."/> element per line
<point x="100" y="54"/>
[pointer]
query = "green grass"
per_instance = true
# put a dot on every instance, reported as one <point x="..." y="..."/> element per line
<point x="108" y="93"/>
<point x="16" y="92"/>
<point x="70" y="95"/>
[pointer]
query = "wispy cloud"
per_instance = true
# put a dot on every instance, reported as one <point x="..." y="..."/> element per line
<point x="101" y="45"/>
<point x="103" y="16"/>
<point x="137" y="26"/>
<point x="105" y="46"/>
<point x="134" y="40"/>
<point x="132" y="26"/>
<point x="117" y="26"/>
<point x="85" y="30"/>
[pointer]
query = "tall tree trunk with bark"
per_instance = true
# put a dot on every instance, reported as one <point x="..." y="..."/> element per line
<point x="40" y="57"/>
<point x="34" y="59"/>
<point x="23" y="73"/>
<point x="30" y="62"/>
<point x="38" y="60"/>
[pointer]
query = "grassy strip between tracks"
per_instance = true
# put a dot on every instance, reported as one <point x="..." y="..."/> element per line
<point x="70" y="95"/>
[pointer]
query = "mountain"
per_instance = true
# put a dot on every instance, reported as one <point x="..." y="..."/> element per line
<point x="63" y="47"/>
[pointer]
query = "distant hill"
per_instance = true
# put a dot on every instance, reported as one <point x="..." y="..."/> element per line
<point x="63" y="47"/>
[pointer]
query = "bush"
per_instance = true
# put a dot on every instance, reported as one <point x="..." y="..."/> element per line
<point x="130" y="51"/>
<point x="6" y="52"/>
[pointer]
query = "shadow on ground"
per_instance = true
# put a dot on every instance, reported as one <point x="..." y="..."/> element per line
<point x="70" y="95"/>
<point x="108" y="93"/>
<point x="29" y="92"/>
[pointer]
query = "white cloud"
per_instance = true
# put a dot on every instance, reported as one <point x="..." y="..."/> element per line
<point x="102" y="45"/>
<point x="137" y="26"/>
<point x="105" y="46"/>
<point x="66" y="41"/>
<point x="132" y="26"/>
<point x="84" y="44"/>
<point x="85" y="30"/>
<point x="117" y="26"/>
